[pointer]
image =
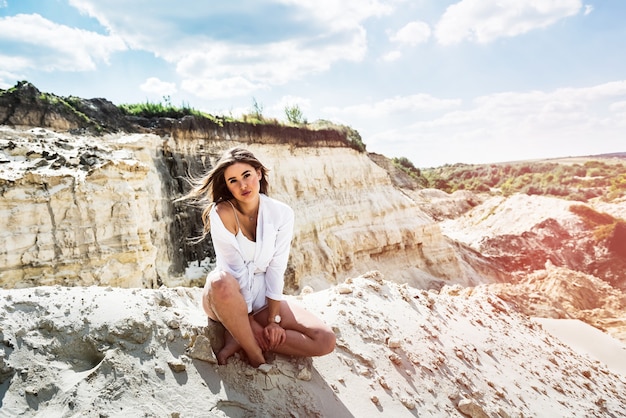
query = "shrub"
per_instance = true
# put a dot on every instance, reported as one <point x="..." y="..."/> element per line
<point x="618" y="186"/>
<point x="569" y="181"/>
<point x="354" y="137"/>
<point x="591" y="217"/>
<point x="257" y="109"/>
<point x="294" y="115"/>
<point x="606" y="227"/>
<point x="407" y="166"/>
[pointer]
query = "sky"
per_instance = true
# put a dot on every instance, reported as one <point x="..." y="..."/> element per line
<point x="435" y="81"/>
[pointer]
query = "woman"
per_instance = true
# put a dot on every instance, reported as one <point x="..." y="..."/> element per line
<point x="251" y="235"/>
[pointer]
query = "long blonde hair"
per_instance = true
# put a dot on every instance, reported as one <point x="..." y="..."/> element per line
<point x="212" y="189"/>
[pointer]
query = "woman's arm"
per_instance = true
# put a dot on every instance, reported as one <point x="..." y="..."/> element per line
<point x="275" y="272"/>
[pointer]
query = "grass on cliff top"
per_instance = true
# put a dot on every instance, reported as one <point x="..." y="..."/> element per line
<point x="150" y="109"/>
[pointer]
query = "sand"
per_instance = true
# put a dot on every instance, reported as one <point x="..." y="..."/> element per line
<point x="588" y="340"/>
<point x="401" y="352"/>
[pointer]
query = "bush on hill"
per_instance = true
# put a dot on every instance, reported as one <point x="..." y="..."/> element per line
<point x="581" y="182"/>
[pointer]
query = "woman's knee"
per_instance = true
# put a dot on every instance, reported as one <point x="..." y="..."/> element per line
<point x="222" y="285"/>
<point x="326" y="340"/>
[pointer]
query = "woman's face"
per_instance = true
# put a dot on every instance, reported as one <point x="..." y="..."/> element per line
<point x="243" y="181"/>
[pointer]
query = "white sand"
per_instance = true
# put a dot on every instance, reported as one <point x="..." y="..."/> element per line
<point x="401" y="352"/>
<point x="589" y="341"/>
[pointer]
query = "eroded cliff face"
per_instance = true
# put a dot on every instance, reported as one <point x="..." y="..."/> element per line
<point x="101" y="210"/>
<point x="350" y="217"/>
<point x="523" y="233"/>
<point x="80" y="210"/>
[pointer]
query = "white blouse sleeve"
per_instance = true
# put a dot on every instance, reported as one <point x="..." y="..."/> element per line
<point x="275" y="273"/>
<point x="227" y="253"/>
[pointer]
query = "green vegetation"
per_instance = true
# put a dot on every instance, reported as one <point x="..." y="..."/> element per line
<point x="352" y="135"/>
<point x="354" y="138"/>
<point x="255" y="115"/>
<point x="573" y="181"/>
<point x="162" y="109"/>
<point x="294" y="115"/>
<point x="71" y="104"/>
<point x="257" y="109"/>
<point x="602" y="223"/>
<point x="407" y="166"/>
<point x="13" y="89"/>
<point x="618" y="186"/>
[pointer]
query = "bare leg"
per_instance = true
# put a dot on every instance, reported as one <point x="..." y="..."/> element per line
<point x="225" y="302"/>
<point x="307" y="335"/>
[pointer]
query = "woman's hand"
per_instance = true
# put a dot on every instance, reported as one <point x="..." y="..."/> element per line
<point x="259" y="334"/>
<point x="275" y="335"/>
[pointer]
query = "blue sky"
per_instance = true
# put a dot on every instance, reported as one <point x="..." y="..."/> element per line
<point x="438" y="82"/>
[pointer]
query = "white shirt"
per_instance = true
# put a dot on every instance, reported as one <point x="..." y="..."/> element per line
<point x="274" y="232"/>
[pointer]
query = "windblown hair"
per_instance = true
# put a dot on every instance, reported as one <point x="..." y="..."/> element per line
<point x="212" y="189"/>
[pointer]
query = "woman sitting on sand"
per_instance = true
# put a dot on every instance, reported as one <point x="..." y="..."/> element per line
<point x="251" y="234"/>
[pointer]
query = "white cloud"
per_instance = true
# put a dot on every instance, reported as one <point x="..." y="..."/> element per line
<point x="7" y="79"/>
<point x="588" y="9"/>
<point x="346" y="13"/>
<point x="515" y="125"/>
<point x="483" y="21"/>
<point x="60" y="47"/>
<point x="154" y="85"/>
<point x="307" y="36"/>
<point x="618" y="110"/>
<point x="618" y="106"/>
<point x="392" y="56"/>
<point x="222" y="88"/>
<point x="262" y="66"/>
<point x="393" y="106"/>
<point x="278" y="108"/>
<point x="15" y="63"/>
<point x="414" y="33"/>
<point x="289" y="100"/>
<point x="274" y="63"/>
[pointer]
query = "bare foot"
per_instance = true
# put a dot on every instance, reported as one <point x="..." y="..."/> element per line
<point x="230" y="348"/>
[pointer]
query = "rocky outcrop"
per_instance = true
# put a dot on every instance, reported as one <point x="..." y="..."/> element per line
<point x="557" y="292"/>
<point x="25" y="105"/>
<point x="77" y="211"/>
